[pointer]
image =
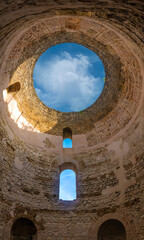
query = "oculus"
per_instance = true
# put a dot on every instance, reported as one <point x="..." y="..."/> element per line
<point x="69" y="77"/>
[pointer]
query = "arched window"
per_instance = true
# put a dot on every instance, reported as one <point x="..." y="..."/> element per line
<point x="67" y="138"/>
<point x="23" y="229"/>
<point x="67" y="182"/>
<point x="112" y="229"/>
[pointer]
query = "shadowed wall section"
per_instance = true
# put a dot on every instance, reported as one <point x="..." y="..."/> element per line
<point x="23" y="229"/>
<point x="112" y="230"/>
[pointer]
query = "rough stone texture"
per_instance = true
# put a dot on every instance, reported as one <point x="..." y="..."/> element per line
<point x="108" y="137"/>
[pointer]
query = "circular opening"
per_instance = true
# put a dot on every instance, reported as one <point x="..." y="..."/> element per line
<point x="69" y="77"/>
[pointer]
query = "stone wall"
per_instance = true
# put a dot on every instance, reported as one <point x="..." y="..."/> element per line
<point x="108" y="137"/>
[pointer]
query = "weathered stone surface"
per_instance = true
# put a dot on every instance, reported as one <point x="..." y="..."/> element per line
<point x="108" y="137"/>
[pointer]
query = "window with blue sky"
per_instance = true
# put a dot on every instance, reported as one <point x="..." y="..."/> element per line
<point x="67" y="143"/>
<point x="68" y="77"/>
<point x="67" y="186"/>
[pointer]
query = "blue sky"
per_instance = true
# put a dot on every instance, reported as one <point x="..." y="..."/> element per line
<point x="67" y="189"/>
<point x="67" y="143"/>
<point x="68" y="77"/>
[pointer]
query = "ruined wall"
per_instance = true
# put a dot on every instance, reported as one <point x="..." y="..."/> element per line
<point x="108" y="138"/>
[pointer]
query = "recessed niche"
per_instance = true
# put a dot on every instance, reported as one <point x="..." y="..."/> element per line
<point x="112" y="229"/>
<point x="23" y="229"/>
<point x="67" y="138"/>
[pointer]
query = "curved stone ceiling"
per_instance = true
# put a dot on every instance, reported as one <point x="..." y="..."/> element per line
<point x="121" y="98"/>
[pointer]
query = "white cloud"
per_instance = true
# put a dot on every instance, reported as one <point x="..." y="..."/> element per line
<point x="68" y="175"/>
<point x="65" y="81"/>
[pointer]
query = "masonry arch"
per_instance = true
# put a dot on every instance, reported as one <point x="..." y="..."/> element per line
<point x="125" y="220"/>
<point x="23" y="229"/>
<point x="111" y="229"/>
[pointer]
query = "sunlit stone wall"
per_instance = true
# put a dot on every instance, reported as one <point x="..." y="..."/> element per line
<point x="108" y="138"/>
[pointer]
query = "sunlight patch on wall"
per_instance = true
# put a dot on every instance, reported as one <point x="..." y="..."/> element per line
<point x="15" y="114"/>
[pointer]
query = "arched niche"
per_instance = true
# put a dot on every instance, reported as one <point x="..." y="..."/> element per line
<point x="121" y="216"/>
<point x="111" y="229"/>
<point x="23" y="229"/>
<point x="67" y="133"/>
